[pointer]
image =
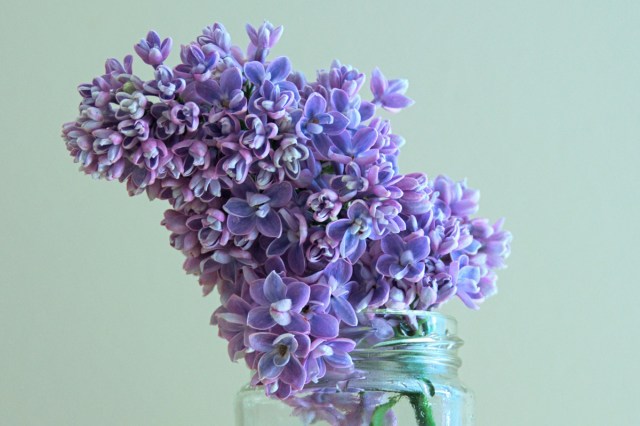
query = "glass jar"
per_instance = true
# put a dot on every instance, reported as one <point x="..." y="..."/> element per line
<point x="406" y="373"/>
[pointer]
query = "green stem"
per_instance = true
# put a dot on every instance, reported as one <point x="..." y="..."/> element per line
<point x="422" y="409"/>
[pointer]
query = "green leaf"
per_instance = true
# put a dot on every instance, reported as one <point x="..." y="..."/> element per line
<point x="377" y="418"/>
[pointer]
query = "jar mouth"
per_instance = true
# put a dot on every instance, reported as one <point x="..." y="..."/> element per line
<point x="417" y="313"/>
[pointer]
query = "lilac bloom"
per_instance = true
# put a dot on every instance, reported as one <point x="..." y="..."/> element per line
<point x="386" y="218"/>
<point x="382" y="178"/>
<point x="389" y="93"/>
<point x="165" y="85"/>
<point x="196" y="65"/>
<point x="215" y="37"/>
<point x="231" y="319"/>
<point x="353" y="231"/>
<point x="108" y="144"/>
<point x="337" y="276"/>
<point x="195" y="155"/>
<point x="207" y="184"/>
<point x="343" y="77"/>
<point x="415" y="193"/>
<point x="211" y="229"/>
<point x="152" y="154"/>
<point x="322" y="325"/>
<point x="290" y="243"/>
<point x="186" y="117"/>
<point x="226" y="94"/>
<point x="272" y="100"/>
<point x="333" y="354"/>
<point x="324" y="205"/>
<point x="235" y="162"/>
<point x="134" y="131"/>
<point x="350" y="183"/>
<point x="98" y="93"/>
<point x="315" y="120"/>
<point x="276" y="72"/>
<point x="131" y="106"/>
<point x="258" y="134"/>
<point x="223" y="126"/>
<point x="262" y="40"/>
<point x="267" y="174"/>
<point x="321" y="249"/>
<point x="281" y="359"/>
<point x="164" y="126"/>
<point x="279" y="303"/>
<point x="350" y="108"/>
<point x="372" y="290"/>
<point x="465" y="278"/>
<point x="455" y="198"/>
<point x="289" y="156"/>
<point x="403" y="260"/>
<point x="153" y="51"/>
<point x="347" y="148"/>
<point x="258" y="210"/>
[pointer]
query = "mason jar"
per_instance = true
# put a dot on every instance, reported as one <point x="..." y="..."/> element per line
<point x="406" y="373"/>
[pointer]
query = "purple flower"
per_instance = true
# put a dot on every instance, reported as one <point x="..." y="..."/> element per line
<point x="342" y="77"/>
<point x="279" y="303"/>
<point x="231" y="319"/>
<point x="350" y="183"/>
<point x="289" y="156"/>
<point x="315" y="120"/>
<point x="165" y="85"/>
<point x="185" y="117"/>
<point x="352" y="108"/>
<point x="215" y="37"/>
<point x="131" y="106"/>
<point x="357" y="148"/>
<point x="226" y="94"/>
<point x="455" y="198"/>
<point x="290" y="243"/>
<point x="386" y="218"/>
<point x="322" y="325"/>
<point x="333" y="354"/>
<point x="337" y="277"/>
<point x="258" y="210"/>
<point x="273" y="100"/>
<point x="152" y="51"/>
<point x="403" y="260"/>
<point x="281" y="359"/>
<point x="372" y="290"/>
<point x="389" y="93"/>
<point x="135" y="131"/>
<point x="321" y="250"/>
<point x="196" y="65"/>
<point x="324" y="205"/>
<point x="262" y="40"/>
<point x="466" y="278"/>
<point x="235" y="162"/>
<point x="195" y="155"/>
<point x="352" y="232"/>
<point x="258" y="134"/>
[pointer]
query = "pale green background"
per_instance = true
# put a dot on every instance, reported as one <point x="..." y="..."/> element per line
<point x="537" y="103"/>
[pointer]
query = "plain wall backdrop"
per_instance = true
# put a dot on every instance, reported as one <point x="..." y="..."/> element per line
<point x="536" y="102"/>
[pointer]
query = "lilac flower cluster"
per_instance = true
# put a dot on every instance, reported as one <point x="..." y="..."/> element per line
<point x="285" y="195"/>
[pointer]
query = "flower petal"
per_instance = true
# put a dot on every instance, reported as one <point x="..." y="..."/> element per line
<point x="260" y="318"/>
<point x="274" y="288"/>
<point x="344" y="310"/>
<point x="324" y="326"/>
<point x="294" y="374"/>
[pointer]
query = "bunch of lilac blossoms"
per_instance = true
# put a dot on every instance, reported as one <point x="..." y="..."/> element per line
<point x="285" y="196"/>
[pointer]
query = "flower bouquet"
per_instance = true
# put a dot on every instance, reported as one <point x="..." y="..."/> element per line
<point x="285" y="197"/>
